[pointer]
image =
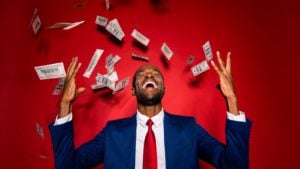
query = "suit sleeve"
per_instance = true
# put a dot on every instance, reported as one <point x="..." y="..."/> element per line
<point x="234" y="154"/>
<point x="66" y="156"/>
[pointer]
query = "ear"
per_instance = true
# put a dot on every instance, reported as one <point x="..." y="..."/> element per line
<point x="132" y="91"/>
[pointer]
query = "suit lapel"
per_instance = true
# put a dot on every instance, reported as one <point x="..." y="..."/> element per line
<point x="129" y="141"/>
<point x="170" y="132"/>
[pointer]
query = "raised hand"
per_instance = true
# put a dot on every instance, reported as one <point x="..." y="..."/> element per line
<point x="226" y="82"/>
<point x="70" y="91"/>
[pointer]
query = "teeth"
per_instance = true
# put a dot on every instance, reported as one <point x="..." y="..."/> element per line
<point x="150" y="82"/>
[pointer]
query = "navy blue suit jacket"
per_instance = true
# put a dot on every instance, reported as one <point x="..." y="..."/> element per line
<point x="185" y="143"/>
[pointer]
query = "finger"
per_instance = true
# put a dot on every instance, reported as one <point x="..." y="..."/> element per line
<point x="70" y="65"/>
<point x="216" y="68"/>
<point x="221" y="63"/>
<point x="73" y="66"/>
<point x="79" y="91"/>
<point x="228" y="62"/>
<point x="76" y="70"/>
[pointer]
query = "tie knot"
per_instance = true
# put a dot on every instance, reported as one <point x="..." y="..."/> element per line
<point x="149" y="123"/>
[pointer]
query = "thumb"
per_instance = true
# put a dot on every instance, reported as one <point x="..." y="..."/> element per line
<point x="79" y="91"/>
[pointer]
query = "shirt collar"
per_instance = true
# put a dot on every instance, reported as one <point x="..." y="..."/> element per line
<point x="157" y="119"/>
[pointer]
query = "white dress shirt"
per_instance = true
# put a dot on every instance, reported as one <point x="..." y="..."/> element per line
<point x="158" y="129"/>
<point x="141" y="131"/>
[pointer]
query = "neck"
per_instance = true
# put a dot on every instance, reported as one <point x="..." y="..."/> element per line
<point x="150" y="111"/>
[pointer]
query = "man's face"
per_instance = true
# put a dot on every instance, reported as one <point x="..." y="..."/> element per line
<point x="149" y="85"/>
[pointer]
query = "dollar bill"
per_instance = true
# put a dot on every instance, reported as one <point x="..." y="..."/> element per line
<point x="115" y="32"/>
<point x="59" y="25"/>
<point x="116" y="59"/>
<point x="93" y="63"/>
<point x="207" y="51"/>
<point x="200" y="68"/>
<point x="40" y="130"/>
<point x="190" y="60"/>
<point x="113" y="76"/>
<point x="97" y="86"/>
<point x="65" y="25"/>
<point x="110" y="62"/>
<point x="33" y="16"/>
<point x="107" y="4"/>
<point x="102" y="21"/>
<point x="140" y="37"/>
<point x="166" y="51"/>
<point x="73" y="25"/>
<point x="121" y="84"/>
<point x="36" y="24"/>
<point x="102" y="80"/>
<point x="115" y="29"/>
<point x="50" y="71"/>
<point x="115" y="23"/>
<point x="135" y="56"/>
<point x="59" y="86"/>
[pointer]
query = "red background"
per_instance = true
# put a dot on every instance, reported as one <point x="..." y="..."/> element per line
<point x="262" y="35"/>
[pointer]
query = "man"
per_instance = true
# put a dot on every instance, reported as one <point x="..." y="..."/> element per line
<point x="178" y="141"/>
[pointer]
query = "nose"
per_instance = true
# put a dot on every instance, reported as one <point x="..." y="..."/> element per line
<point x="149" y="75"/>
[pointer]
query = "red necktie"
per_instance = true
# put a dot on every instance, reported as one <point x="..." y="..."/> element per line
<point x="150" y="155"/>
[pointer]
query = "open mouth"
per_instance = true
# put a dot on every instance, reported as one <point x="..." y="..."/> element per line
<point x="149" y="84"/>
